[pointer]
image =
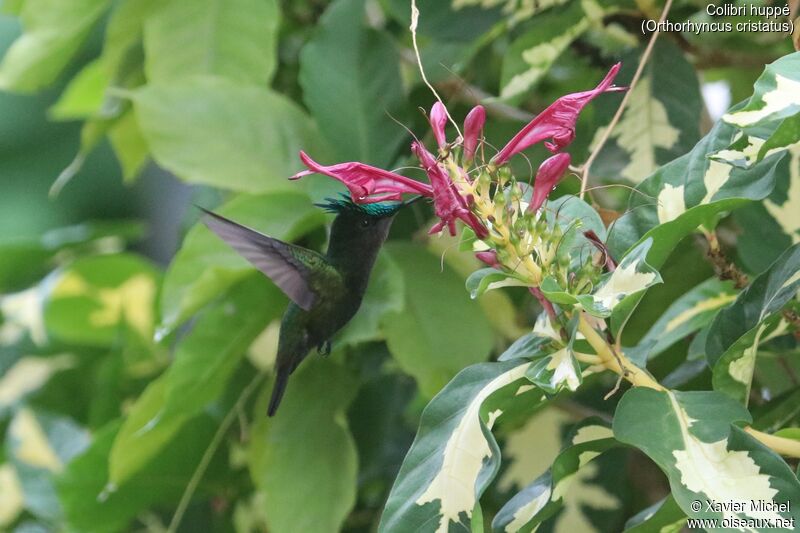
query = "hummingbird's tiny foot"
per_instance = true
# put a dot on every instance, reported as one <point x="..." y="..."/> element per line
<point x="324" y="348"/>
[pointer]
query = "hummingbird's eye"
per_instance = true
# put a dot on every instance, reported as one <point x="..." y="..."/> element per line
<point x="365" y="222"/>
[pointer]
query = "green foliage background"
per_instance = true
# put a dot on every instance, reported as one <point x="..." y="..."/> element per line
<point x="136" y="348"/>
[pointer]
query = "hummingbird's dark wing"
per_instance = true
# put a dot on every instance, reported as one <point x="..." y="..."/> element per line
<point x="297" y="271"/>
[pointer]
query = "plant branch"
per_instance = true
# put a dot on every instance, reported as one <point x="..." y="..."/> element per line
<point x="616" y="362"/>
<point x="638" y="74"/>
<point x="197" y="476"/>
<point x="781" y="445"/>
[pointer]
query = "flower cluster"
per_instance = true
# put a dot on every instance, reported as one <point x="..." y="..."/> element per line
<point x="505" y="215"/>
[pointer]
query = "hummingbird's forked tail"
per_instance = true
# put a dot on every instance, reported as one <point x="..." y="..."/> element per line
<point x="278" y="388"/>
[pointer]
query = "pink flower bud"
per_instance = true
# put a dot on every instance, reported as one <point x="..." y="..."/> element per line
<point x="473" y="125"/>
<point x="547" y="177"/>
<point x="489" y="257"/>
<point x="438" y="120"/>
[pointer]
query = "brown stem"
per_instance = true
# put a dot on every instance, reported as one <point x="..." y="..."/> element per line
<point x="638" y="74"/>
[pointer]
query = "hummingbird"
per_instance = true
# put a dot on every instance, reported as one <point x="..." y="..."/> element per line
<point x="325" y="291"/>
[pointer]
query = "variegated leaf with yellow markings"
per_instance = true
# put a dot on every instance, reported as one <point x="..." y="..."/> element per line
<point x="530" y="57"/>
<point x="664" y="516"/>
<point x="681" y="196"/>
<point x="737" y="331"/>
<point x="688" y="314"/>
<point x="454" y="456"/>
<point x="776" y="95"/>
<point x="12" y="502"/>
<point x="632" y="275"/>
<point x="90" y="300"/>
<point x="692" y="436"/>
<point x="544" y="496"/>
<point x="768" y="228"/>
<point x="39" y="445"/>
<point x="661" y="120"/>
<point x="29" y="374"/>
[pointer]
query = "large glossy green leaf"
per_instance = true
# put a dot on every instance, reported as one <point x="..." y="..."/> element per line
<point x="351" y="82"/>
<point x="688" y="314"/>
<point x="735" y="334"/>
<point x="205" y="358"/>
<point x="692" y="437"/>
<point x="681" y="196"/>
<point x="89" y="300"/>
<point x="661" y="120"/>
<point x="93" y="505"/>
<point x="218" y="132"/>
<point x="54" y="31"/>
<point x="454" y="456"/>
<point x="309" y="433"/>
<point x="440" y="330"/>
<point x="545" y="496"/>
<point x="234" y="39"/>
<point x="769" y="227"/>
<point x="204" y="361"/>
<point x="205" y="266"/>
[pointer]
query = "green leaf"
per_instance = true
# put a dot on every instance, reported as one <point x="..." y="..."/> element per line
<point x="84" y="95"/>
<point x="532" y="54"/>
<point x="206" y="358"/>
<point x="232" y="39"/>
<point x="143" y="434"/>
<point x="736" y="332"/>
<point x="351" y="83"/>
<point x="691" y="436"/>
<point x="690" y="192"/>
<point x="660" y="122"/>
<point x="688" y="314"/>
<point x="205" y="266"/>
<point x="544" y="496"/>
<point x="454" y="456"/>
<point x="558" y="370"/>
<point x="38" y="446"/>
<point x="309" y="431"/>
<point x="129" y="146"/>
<point x="385" y="294"/>
<point x="664" y="516"/>
<point x="768" y="228"/>
<point x="440" y="330"/>
<point x="632" y="276"/>
<point x="93" y="505"/>
<point x="204" y="361"/>
<point x="89" y="300"/>
<point x="54" y="31"/>
<point x="217" y="132"/>
<point x="450" y="21"/>
<point x="487" y="279"/>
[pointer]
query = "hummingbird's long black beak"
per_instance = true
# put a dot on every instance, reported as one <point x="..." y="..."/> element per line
<point x="412" y="200"/>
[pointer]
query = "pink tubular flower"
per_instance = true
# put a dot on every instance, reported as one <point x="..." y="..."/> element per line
<point x="473" y="124"/>
<point x="448" y="203"/>
<point x="490" y="258"/>
<point x="367" y="184"/>
<point x="557" y="122"/>
<point x="438" y="120"/>
<point x="547" y="177"/>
